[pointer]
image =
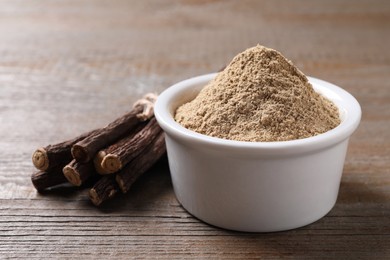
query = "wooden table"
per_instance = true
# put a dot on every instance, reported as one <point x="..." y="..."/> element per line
<point x="72" y="65"/>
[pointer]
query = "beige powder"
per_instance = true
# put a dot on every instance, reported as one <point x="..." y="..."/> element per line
<point x="260" y="96"/>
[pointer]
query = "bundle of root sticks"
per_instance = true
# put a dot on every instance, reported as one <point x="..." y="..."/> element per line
<point x="112" y="157"/>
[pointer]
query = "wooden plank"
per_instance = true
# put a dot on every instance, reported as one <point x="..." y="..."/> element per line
<point x="70" y="66"/>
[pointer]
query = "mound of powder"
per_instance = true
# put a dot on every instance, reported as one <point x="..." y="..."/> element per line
<point x="259" y="97"/>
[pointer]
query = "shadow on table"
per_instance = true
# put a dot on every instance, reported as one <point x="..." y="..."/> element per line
<point x="66" y="191"/>
<point x="147" y="189"/>
<point x="151" y="188"/>
<point x="359" y="192"/>
<point x="355" y="228"/>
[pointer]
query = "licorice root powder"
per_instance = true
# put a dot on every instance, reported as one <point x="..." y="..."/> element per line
<point x="259" y="97"/>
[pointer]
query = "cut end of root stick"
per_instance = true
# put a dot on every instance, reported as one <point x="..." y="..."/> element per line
<point x="79" y="153"/>
<point x="72" y="175"/>
<point x="97" y="162"/>
<point x="94" y="197"/>
<point x="111" y="163"/>
<point x="40" y="159"/>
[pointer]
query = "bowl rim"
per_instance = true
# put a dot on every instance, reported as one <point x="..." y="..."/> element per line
<point x="343" y="100"/>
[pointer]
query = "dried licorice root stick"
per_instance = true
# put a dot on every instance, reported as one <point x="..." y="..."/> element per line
<point x="48" y="157"/>
<point x="149" y="156"/>
<point x="46" y="179"/>
<point x="86" y="149"/>
<point x="102" y="153"/>
<point x="104" y="189"/>
<point x="118" y="155"/>
<point x="78" y="173"/>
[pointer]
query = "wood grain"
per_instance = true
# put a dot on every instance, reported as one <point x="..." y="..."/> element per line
<point x="70" y="66"/>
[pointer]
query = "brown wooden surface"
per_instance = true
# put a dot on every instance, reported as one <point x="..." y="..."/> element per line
<point x="73" y="65"/>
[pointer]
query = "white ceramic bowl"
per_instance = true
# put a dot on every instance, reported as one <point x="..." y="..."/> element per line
<point x="256" y="186"/>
